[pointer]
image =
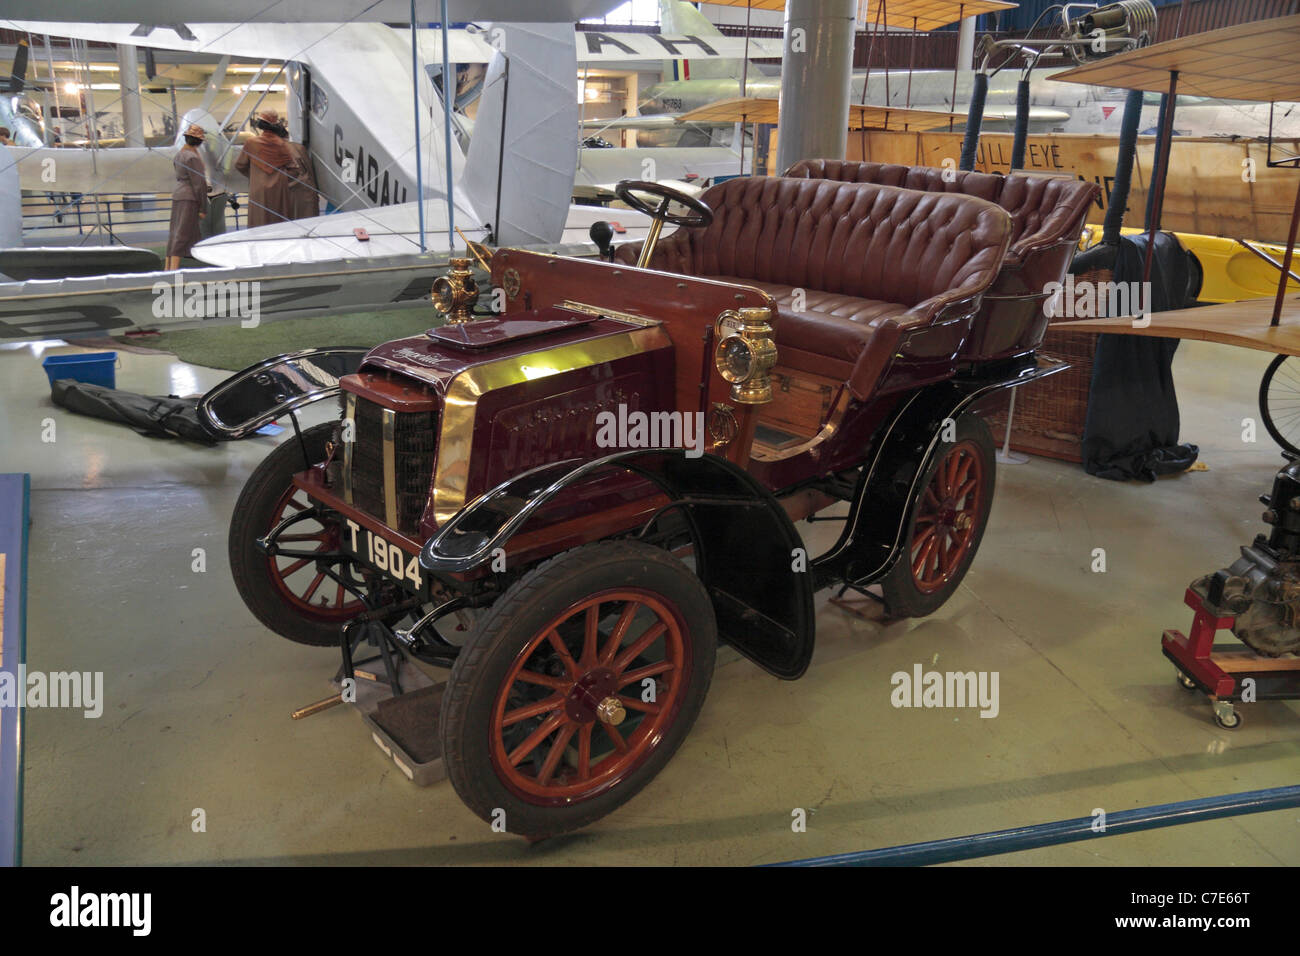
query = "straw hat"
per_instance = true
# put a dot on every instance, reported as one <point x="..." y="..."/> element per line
<point x="269" y="116"/>
<point x="196" y="130"/>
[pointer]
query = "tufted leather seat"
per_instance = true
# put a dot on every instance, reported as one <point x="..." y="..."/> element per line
<point x="1047" y="216"/>
<point x="854" y="268"/>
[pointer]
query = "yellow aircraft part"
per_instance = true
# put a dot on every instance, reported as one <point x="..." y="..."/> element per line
<point x="1231" y="271"/>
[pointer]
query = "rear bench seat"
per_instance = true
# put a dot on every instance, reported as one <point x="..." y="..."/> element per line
<point x="875" y="266"/>
<point x="1047" y="217"/>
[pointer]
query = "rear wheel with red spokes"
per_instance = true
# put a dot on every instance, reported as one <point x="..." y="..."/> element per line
<point x="300" y="595"/>
<point x="578" y="686"/>
<point x="946" y="522"/>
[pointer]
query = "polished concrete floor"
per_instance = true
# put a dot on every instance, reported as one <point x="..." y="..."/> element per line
<point x="199" y="694"/>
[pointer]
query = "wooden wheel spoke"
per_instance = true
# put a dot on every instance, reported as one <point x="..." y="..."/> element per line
<point x="615" y="738"/>
<point x="591" y="635"/>
<point x="532" y="710"/>
<point x="296" y="566"/>
<point x="545" y="680"/>
<point x="293" y="503"/>
<point x="652" y="634"/>
<point x="620" y="631"/>
<point x="584" y="751"/>
<point x="570" y="666"/>
<point x="947" y="470"/>
<point x="315" y="583"/>
<point x="636" y="703"/>
<point x="966" y="488"/>
<point x="560" y="745"/>
<point x="919" y="562"/>
<point x="964" y="464"/>
<point x="530" y="742"/>
<point x="641" y="673"/>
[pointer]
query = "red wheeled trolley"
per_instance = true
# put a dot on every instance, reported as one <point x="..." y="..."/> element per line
<point x="1226" y="673"/>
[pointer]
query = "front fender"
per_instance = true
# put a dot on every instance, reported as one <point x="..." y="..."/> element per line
<point x="746" y="548"/>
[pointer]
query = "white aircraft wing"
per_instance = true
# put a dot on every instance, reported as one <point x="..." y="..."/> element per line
<point x="476" y="45"/>
<point x="652" y="121"/>
<point x="126" y="169"/>
<point x="306" y="11"/>
<point x="392" y="230"/>
<point x="605" y="167"/>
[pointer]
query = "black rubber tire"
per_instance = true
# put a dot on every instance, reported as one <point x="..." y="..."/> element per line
<point x="508" y="627"/>
<point x="1266" y="414"/>
<point x="902" y="596"/>
<point x="252" y="519"/>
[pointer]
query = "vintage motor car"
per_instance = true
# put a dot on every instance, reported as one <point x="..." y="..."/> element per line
<point x="571" y="502"/>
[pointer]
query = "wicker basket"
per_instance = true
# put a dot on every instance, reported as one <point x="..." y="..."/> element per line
<point x="1050" y="414"/>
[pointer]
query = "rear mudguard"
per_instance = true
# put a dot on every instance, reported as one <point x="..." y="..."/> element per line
<point x="872" y="539"/>
<point x="747" y="551"/>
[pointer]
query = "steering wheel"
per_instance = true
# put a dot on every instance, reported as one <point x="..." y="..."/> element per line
<point x="629" y="189"/>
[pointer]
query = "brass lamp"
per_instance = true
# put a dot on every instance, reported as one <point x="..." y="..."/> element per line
<point x="746" y="353"/>
<point x="455" y="294"/>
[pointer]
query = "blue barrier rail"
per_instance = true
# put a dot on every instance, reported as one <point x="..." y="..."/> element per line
<point x="1064" y="831"/>
<point x="15" y="499"/>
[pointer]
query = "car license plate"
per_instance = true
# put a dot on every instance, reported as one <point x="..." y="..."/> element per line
<point x="384" y="555"/>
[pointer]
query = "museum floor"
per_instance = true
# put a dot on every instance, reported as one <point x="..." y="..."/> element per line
<point x="198" y="694"/>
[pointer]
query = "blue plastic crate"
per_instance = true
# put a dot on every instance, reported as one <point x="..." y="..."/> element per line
<point x="95" y="368"/>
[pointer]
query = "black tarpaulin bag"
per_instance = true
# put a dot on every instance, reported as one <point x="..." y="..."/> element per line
<point x="1131" y="429"/>
<point x="160" y="416"/>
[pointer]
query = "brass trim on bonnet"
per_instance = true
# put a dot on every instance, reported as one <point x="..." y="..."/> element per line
<point x="350" y="426"/>
<point x="597" y="310"/>
<point x="390" y="467"/>
<point x="456" y="430"/>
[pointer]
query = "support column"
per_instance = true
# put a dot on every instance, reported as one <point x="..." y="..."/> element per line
<point x="128" y="69"/>
<point x="816" y="72"/>
<point x="966" y="43"/>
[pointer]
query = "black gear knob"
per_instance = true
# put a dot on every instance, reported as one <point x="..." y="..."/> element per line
<point x="602" y="234"/>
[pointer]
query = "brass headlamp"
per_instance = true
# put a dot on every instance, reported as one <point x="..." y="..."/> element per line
<point x="455" y="293"/>
<point x="746" y="353"/>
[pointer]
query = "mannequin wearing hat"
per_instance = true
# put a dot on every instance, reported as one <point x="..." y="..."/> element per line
<point x="265" y="160"/>
<point x="189" y="198"/>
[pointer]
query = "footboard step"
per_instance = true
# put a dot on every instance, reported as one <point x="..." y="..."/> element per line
<point x="405" y="727"/>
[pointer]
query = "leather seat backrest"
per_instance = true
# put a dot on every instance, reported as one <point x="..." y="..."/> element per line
<point x="858" y="239"/>
<point x="1043" y="209"/>
<point x="980" y="185"/>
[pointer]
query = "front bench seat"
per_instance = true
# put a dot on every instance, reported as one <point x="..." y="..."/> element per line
<point x="855" y="269"/>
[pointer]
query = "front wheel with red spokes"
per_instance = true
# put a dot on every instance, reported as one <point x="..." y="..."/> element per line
<point x="301" y="594"/>
<point x="577" y="687"/>
<point x="945" y="523"/>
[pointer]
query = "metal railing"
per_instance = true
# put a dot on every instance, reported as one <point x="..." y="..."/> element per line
<point x="1065" y="831"/>
<point x="84" y="214"/>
